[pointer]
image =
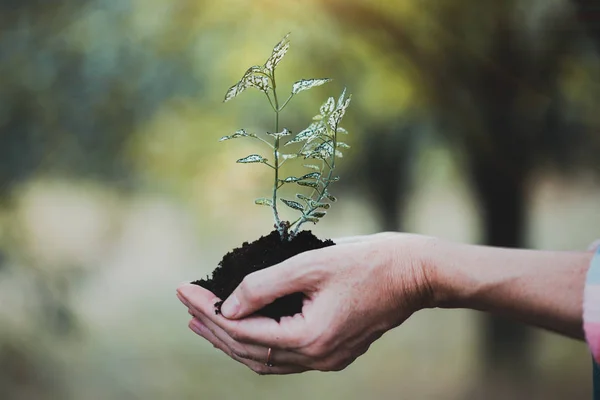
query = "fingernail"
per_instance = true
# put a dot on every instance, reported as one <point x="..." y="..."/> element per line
<point x="230" y="307"/>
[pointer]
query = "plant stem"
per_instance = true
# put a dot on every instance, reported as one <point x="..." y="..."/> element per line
<point x="262" y="140"/>
<point x="287" y="101"/>
<point x="270" y="102"/>
<point x="276" y="157"/>
<point x="326" y="183"/>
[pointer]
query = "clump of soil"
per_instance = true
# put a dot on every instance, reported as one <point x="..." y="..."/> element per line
<point x="265" y="252"/>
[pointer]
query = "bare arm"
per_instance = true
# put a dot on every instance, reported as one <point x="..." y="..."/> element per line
<point x="540" y="288"/>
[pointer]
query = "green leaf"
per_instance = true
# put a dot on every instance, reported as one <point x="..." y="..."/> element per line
<point x="291" y="179"/>
<point x="288" y="156"/>
<point x="253" y="77"/>
<point x="317" y="151"/>
<point x="254" y="158"/>
<point x="284" y="132"/>
<point x="303" y="197"/>
<point x="308" y="183"/>
<point x="278" y="52"/>
<point x="343" y="145"/>
<point x="325" y="149"/>
<point x="312" y="166"/>
<point x="313" y="155"/>
<point x="264" y="202"/>
<point x="346" y="103"/>
<point x="342" y="130"/>
<point x="305" y="84"/>
<point x="341" y="99"/>
<point x="334" y="179"/>
<point x="330" y="197"/>
<point x="234" y="91"/>
<point x="328" y="106"/>
<point x="314" y="220"/>
<point x="259" y="82"/>
<point x="312" y="175"/>
<point x="336" y="117"/>
<point x="308" y="133"/>
<point x="315" y="204"/>
<point x="318" y="214"/>
<point x="293" y="204"/>
<point x="237" y="134"/>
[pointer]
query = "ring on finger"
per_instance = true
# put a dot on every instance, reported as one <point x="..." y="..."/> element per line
<point x="269" y="363"/>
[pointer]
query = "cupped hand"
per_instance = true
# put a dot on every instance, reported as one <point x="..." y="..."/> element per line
<point x="355" y="292"/>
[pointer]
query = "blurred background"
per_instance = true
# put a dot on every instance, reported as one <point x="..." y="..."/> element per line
<point x="472" y="120"/>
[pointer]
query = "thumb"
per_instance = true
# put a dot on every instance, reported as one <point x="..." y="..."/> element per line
<point x="263" y="287"/>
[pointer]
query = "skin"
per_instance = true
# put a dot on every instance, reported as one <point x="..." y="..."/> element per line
<point x="365" y="286"/>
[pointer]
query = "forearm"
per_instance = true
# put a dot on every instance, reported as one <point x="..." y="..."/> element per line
<point x="541" y="288"/>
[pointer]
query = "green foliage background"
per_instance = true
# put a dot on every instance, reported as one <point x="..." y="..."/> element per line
<point x="114" y="187"/>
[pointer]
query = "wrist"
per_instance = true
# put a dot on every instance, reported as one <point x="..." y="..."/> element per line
<point x="450" y="284"/>
<point x="411" y="269"/>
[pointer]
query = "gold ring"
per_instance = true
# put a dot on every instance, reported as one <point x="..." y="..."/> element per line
<point x="268" y="363"/>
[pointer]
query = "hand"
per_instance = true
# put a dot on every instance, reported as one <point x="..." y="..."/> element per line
<point x="355" y="292"/>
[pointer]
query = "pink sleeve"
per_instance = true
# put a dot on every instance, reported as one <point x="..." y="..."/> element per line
<point x="591" y="307"/>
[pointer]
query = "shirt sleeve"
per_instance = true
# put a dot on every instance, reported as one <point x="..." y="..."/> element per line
<point x="591" y="307"/>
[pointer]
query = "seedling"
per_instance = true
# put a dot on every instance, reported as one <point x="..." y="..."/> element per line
<point x="317" y="145"/>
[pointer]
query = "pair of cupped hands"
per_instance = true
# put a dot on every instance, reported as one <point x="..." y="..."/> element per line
<point x="354" y="293"/>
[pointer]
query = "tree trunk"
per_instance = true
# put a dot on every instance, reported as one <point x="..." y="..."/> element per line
<point x="386" y="169"/>
<point x="506" y="344"/>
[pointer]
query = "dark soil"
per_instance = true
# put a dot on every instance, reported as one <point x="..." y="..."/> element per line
<point x="263" y="253"/>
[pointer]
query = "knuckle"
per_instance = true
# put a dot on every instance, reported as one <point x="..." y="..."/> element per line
<point x="240" y="352"/>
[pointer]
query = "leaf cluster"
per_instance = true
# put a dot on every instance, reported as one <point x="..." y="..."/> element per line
<point x="317" y="145"/>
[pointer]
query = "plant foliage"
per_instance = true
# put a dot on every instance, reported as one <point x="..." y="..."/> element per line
<point x="318" y="144"/>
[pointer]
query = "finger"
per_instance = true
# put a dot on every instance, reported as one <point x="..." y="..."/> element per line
<point x="194" y="296"/>
<point x="260" y="368"/>
<point x="251" y="351"/>
<point x="263" y="331"/>
<point x="300" y="273"/>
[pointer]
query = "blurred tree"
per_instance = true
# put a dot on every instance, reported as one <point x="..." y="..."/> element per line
<point x="383" y="167"/>
<point x="77" y="79"/>
<point x="76" y="83"/>
<point x="587" y="12"/>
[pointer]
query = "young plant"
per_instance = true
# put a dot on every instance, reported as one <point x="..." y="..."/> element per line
<point x="319" y="144"/>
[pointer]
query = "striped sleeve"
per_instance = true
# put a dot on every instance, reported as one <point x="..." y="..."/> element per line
<point x="591" y="306"/>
